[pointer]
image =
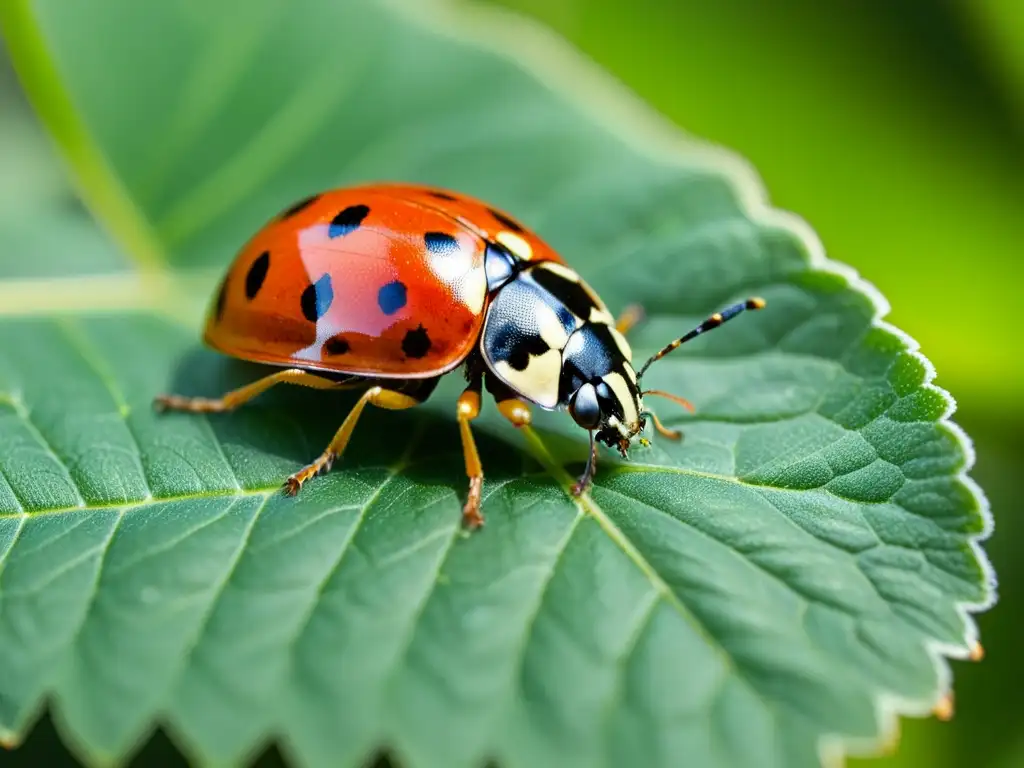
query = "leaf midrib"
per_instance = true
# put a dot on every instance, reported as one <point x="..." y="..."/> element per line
<point x="164" y="292"/>
<point x="585" y="502"/>
<point x="561" y="477"/>
<point x="129" y="506"/>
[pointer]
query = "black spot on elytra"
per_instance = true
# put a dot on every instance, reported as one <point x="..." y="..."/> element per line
<point x="348" y="220"/>
<point x="336" y="345"/>
<point x="442" y="195"/>
<point x="416" y="343"/>
<point x="317" y="298"/>
<point x="569" y="292"/>
<point x="440" y="242"/>
<point x="505" y="221"/>
<point x="391" y="297"/>
<point x="256" y="275"/>
<point x="299" y="206"/>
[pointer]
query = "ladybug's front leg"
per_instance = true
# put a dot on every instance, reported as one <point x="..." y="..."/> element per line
<point x="583" y="484"/>
<point x="469" y="409"/>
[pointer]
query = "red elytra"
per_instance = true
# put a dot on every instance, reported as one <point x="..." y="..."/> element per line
<point x="383" y="281"/>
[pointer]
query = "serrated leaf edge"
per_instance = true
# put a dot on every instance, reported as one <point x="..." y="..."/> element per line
<point x="553" y="61"/>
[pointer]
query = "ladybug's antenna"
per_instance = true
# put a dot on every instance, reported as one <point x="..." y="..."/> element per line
<point x="712" y="322"/>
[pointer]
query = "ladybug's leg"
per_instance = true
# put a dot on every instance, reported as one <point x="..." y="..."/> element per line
<point x="469" y="409"/>
<point x="630" y="316"/>
<point x="588" y="473"/>
<point x="389" y="399"/>
<point x="671" y="434"/>
<point x="236" y="397"/>
<point x="511" y="407"/>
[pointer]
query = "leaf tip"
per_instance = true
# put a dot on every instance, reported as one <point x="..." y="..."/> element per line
<point x="977" y="652"/>
<point x="891" y="741"/>
<point x="943" y="709"/>
<point x="9" y="740"/>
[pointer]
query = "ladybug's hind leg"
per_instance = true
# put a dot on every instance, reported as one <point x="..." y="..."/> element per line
<point x="237" y="397"/>
<point x="379" y="396"/>
<point x="631" y="316"/>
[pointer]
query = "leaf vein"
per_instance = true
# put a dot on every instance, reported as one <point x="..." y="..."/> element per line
<point x="169" y="544"/>
<point x="75" y="336"/>
<point x="617" y="694"/>
<point x="26" y="416"/>
<point x="94" y="593"/>
<point x="67" y="531"/>
<point x="19" y="502"/>
<point x="217" y="592"/>
<point x="302" y="628"/>
<point x="22" y="521"/>
<point x="519" y="653"/>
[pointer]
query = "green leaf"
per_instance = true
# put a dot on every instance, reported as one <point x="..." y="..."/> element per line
<point x="769" y="591"/>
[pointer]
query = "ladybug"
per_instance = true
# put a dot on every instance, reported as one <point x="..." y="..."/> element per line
<point x="388" y="287"/>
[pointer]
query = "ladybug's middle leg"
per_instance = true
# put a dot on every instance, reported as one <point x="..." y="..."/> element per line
<point x="378" y="396"/>
<point x="511" y="407"/>
<point x="671" y="434"/>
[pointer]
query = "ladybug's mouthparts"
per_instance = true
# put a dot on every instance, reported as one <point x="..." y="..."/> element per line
<point x="618" y="435"/>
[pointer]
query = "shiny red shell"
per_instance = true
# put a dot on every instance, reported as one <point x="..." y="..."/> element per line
<point x="382" y="281"/>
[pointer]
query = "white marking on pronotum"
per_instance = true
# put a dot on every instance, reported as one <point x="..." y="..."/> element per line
<point x="549" y="327"/>
<point x="538" y="381"/>
<point x="624" y="348"/>
<point x="630" y="373"/>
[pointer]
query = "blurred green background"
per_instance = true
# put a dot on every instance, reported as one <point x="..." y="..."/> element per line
<point x="896" y="130"/>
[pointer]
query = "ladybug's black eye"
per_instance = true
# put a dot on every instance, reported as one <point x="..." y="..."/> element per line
<point x="584" y="407"/>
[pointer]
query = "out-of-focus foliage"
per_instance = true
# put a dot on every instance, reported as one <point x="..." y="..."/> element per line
<point x="999" y="29"/>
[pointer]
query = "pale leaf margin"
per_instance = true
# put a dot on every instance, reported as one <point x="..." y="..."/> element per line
<point x="593" y="92"/>
<point x="554" y="62"/>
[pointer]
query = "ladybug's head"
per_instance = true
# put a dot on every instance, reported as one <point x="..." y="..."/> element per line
<point x="549" y="339"/>
<point x="612" y="403"/>
<point x="611" y="407"/>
